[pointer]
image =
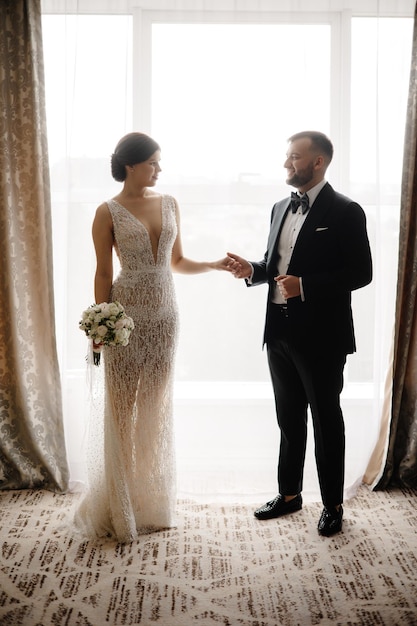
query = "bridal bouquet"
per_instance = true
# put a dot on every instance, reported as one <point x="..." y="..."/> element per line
<point x="106" y="324"/>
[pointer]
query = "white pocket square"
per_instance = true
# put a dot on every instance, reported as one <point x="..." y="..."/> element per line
<point x="320" y="229"/>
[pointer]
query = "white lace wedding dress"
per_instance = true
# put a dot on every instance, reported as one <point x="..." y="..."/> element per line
<point x="132" y="471"/>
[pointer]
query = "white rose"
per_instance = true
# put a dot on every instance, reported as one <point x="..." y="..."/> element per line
<point x="106" y="310"/>
<point x="122" y="336"/>
<point x="113" y="309"/>
<point x="128" y="323"/>
<point x="101" y="331"/>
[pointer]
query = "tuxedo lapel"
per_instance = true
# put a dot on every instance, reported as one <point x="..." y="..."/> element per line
<point x="279" y="213"/>
<point x="316" y="218"/>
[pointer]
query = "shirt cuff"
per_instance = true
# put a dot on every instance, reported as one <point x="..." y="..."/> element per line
<point x="249" y="280"/>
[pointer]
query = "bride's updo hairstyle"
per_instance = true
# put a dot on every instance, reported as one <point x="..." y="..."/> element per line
<point x="132" y="148"/>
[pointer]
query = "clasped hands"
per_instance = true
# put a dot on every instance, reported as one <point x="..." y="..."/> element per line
<point x="288" y="285"/>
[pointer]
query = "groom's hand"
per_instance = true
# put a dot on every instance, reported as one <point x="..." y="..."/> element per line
<point x="289" y="286"/>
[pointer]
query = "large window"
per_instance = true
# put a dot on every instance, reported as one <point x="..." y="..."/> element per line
<point x="221" y="92"/>
<point x="223" y="119"/>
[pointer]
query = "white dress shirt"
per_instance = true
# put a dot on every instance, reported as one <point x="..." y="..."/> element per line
<point x="286" y="241"/>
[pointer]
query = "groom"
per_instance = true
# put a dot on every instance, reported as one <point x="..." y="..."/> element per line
<point x="317" y="254"/>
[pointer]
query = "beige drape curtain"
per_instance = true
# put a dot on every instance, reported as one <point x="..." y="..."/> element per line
<point x="397" y="446"/>
<point x="32" y="448"/>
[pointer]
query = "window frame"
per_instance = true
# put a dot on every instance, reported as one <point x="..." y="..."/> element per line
<point x="339" y="23"/>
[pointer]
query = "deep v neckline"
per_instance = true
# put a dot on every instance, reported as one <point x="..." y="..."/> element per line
<point x="155" y="257"/>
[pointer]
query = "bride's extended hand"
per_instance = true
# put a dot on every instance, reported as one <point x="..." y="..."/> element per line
<point x="222" y="265"/>
<point x="240" y="267"/>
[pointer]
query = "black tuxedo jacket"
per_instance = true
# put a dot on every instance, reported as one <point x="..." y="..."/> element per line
<point x="333" y="257"/>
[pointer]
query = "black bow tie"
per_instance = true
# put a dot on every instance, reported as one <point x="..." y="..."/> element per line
<point x="296" y="201"/>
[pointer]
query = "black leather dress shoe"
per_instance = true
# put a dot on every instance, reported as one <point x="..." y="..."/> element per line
<point x="330" y="521"/>
<point x="278" y="507"/>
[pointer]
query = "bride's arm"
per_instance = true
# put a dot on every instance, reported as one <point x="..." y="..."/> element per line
<point x="183" y="265"/>
<point x="102" y="231"/>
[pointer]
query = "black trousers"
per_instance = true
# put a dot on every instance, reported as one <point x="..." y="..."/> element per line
<point x="302" y="377"/>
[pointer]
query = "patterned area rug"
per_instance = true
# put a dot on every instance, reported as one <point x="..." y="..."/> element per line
<point x="218" y="566"/>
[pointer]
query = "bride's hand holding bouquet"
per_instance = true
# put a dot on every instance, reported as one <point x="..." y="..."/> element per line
<point x="106" y="324"/>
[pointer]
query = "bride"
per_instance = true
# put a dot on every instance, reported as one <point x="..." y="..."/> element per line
<point x="132" y="474"/>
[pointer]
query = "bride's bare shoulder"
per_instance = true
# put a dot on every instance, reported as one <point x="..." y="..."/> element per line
<point x="102" y="213"/>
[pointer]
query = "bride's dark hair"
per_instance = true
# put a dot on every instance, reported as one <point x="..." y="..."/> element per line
<point x="132" y="148"/>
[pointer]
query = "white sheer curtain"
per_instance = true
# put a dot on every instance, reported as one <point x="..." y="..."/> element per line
<point x="221" y="85"/>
